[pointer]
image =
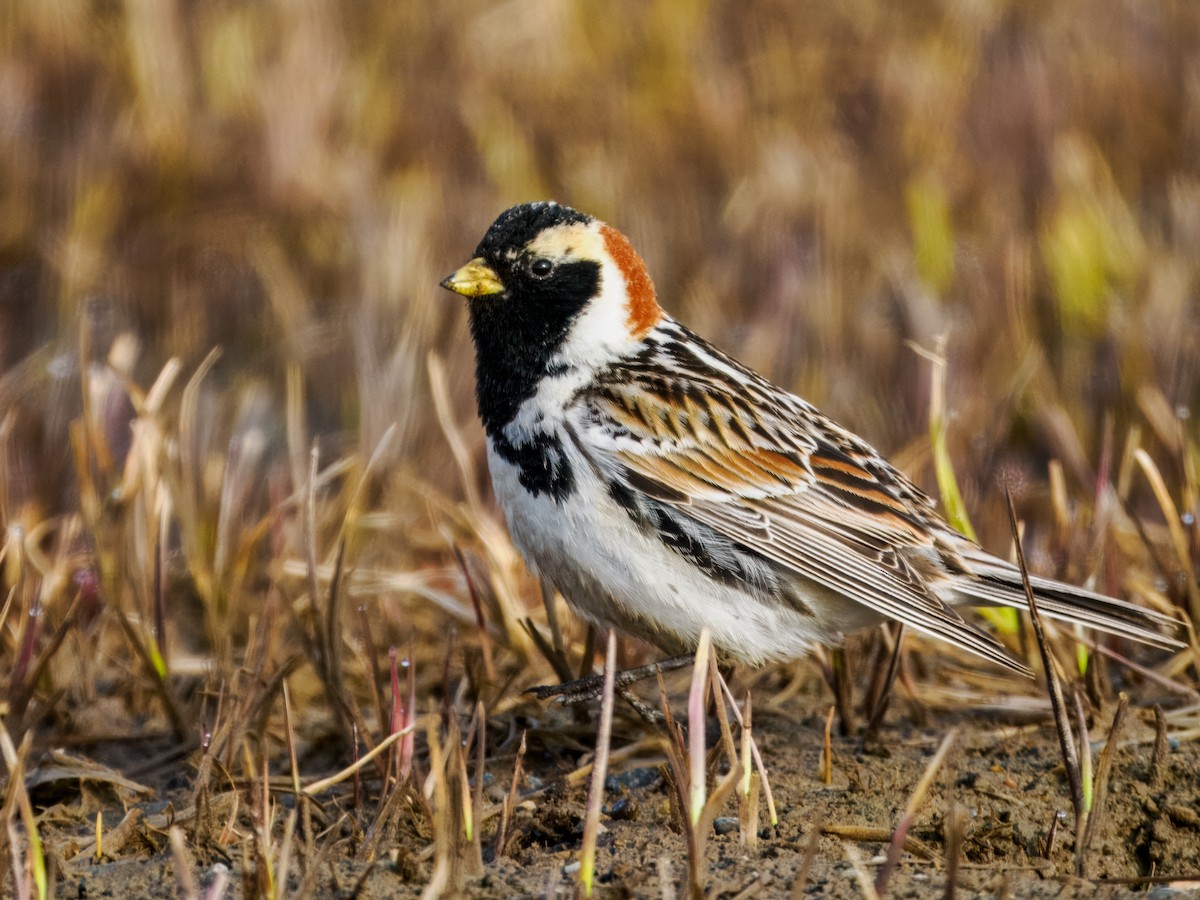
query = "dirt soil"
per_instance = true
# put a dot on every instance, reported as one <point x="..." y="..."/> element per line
<point x="1007" y="778"/>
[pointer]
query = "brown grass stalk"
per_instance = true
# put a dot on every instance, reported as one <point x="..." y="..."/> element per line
<point x="1062" y="720"/>
<point x="697" y="696"/>
<point x="29" y="860"/>
<point x="591" y="821"/>
<point x="1179" y="539"/>
<point x="916" y="798"/>
<point x="745" y="723"/>
<point x="825" y="770"/>
<point x="1104" y="773"/>
<point x="509" y="805"/>
<point x="954" y="828"/>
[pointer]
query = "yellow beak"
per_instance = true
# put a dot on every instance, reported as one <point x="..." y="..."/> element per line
<point x="475" y="279"/>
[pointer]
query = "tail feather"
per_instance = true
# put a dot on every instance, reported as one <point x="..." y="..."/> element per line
<point x="999" y="584"/>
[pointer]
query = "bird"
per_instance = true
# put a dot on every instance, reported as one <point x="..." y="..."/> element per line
<point x="663" y="487"/>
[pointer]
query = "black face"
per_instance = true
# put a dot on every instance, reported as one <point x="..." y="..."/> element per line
<point x="518" y="331"/>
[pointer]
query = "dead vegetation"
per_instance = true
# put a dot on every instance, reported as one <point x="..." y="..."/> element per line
<point x="259" y="619"/>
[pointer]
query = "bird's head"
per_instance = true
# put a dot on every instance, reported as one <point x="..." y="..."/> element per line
<point x="566" y="286"/>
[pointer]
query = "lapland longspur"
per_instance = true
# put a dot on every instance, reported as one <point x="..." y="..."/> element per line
<point x="663" y="486"/>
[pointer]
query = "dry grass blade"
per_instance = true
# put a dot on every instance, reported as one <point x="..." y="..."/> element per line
<point x="1062" y="720"/>
<point x="811" y="846"/>
<point x="591" y="822"/>
<point x="841" y="683"/>
<point x="956" y="509"/>
<point x="1085" y="756"/>
<point x="549" y="595"/>
<point x="324" y="784"/>
<point x="218" y="883"/>
<point x="860" y="871"/>
<point x="446" y="868"/>
<point x="480" y="772"/>
<point x="910" y="811"/>
<point x="30" y="667"/>
<point x="1179" y="539"/>
<point x="825" y="771"/>
<point x="1159" y="679"/>
<point x="686" y="765"/>
<point x="185" y="877"/>
<point x="696" y="728"/>
<point x="869" y="834"/>
<point x="330" y="630"/>
<point x="714" y="675"/>
<point x="1104" y="772"/>
<point x="1057" y="819"/>
<point x="141" y="644"/>
<point x="755" y="753"/>
<point x="751" y="782"/>
<point x="469" y="812"/>
<point x="485" y="641"/>
<point x="954" y="830"/>
<point x="458" y="444"/>
<point x="666" y="879"/>
<point x="290" y="735"/>
<point x="716" y="801"/>
<point x="18" y="797"/>
<point x="1162" y="749"/>
<point x="558" y="662"/>
<point x="509" y="804"/>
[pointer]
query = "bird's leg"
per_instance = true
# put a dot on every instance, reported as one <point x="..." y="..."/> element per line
<point x="648" y="713"/>
<point x="883" y="694"/>
<point x="588" y="659"/>
<point x="589" y="688"/>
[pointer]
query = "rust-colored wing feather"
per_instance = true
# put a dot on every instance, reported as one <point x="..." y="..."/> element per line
<point x="767" y="470"/>
<point x="691" y="427"/>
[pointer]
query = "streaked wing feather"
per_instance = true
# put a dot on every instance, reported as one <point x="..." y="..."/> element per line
<point x="752" y="472"/>
<point x="823" y="558"/>
<point x="999" y="583"/>
<point x="689" y="426"/>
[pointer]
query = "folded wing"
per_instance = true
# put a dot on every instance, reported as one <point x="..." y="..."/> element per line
<point x="767" y="470"/>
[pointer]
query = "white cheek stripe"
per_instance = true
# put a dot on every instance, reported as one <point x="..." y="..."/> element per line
<point x="601" y="333"/>
<point x="598" y="337"/>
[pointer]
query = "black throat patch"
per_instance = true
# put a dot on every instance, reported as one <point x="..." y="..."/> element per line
<point x="517" y="334"/>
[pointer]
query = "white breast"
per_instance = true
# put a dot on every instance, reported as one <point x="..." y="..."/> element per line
<point x="613" y="573"/>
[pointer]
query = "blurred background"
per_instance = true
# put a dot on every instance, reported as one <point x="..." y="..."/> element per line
<point x="816" y="187"/>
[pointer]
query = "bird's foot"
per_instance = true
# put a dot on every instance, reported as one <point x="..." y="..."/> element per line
<point x="581" y="690"/>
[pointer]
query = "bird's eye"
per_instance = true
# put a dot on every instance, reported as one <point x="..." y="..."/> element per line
<point x="540" y="268"/>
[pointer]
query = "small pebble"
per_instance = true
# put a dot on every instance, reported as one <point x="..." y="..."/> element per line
<point x="624" y="809"/>
<point x="725" y="825"/>
<point x="634" y="778"/>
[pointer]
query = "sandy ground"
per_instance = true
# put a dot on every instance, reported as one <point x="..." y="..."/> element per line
<point x="1007" y="778"/>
